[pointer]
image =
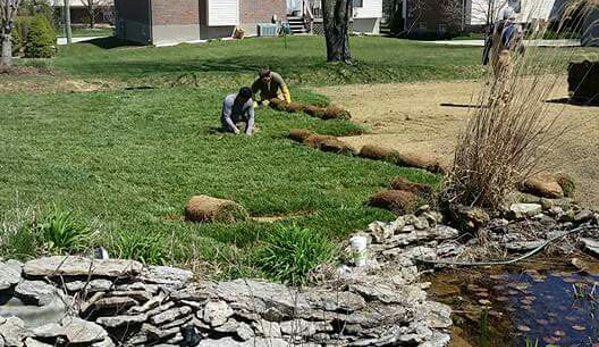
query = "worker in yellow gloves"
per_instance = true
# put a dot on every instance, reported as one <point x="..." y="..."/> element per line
<point x="270" y="85"/>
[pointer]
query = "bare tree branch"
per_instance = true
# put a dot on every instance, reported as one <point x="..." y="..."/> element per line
<point x="93" y="7"/>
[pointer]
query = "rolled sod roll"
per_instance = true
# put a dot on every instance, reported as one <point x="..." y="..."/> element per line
<point x="423" y="161"/>
<point x="294" y="107"/>
<point x="207" y="209"/>
<point x="316" y="140"/>
<point x="545" y="186"/>
<point x="315" y="111"/>
<point x="419" y="189"/>
<point x="399" y="202"/>
<point x="278" y="104"/>
<point x="334" y="145"/>
<point x="377" y="153"/>
<point x="299" y="135"/>
<point x="334" y="112"/>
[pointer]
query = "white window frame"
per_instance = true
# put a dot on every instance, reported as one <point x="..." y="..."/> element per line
<point x="213" y="19"/>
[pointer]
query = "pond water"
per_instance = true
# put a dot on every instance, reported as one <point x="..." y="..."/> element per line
<point x="544" y="305"/>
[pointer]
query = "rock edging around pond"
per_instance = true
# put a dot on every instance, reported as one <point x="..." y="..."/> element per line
<point x="103" y="303"/>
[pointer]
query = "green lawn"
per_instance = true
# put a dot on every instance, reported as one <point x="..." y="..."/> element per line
<point x="232" y="63"/>
<point x="126" y="160"/>
<point x="129" y="160"/>
<point x="86" y="32"/>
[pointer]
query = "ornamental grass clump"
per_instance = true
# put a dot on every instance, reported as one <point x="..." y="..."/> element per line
<point x="291" y="252"/>
<point x="510" y="131"/>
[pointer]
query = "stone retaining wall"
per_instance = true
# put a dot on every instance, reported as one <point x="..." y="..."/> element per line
<point x="103" y="303"/>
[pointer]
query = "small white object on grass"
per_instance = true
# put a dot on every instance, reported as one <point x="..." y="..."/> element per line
<point x="101" y="253"/>
<point x="359" y="245"/>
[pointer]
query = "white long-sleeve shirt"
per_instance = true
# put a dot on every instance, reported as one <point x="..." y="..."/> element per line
<point x="233" y="112"/>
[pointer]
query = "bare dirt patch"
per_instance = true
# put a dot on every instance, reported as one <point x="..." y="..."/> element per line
<point x="50" y="84"/>
<point x="24" y="71"/>
<point x="429" y="116"/>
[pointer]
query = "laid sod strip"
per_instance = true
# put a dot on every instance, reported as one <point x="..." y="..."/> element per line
<point x="416" y="160"/>
<point x="401" y="183"/>
<point x="327" y="143"/>
<point x="330" y="112"/>
<point x="399" y="202"/>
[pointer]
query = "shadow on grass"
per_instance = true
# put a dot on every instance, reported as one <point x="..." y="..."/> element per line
<point x="112" y="42"/>
<point x="576" y="102"/>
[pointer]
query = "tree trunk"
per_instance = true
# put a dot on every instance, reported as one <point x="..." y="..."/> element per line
<point x="92" y="17"/>
<point x="336" y="15"/>
<point x="6" y="59"/>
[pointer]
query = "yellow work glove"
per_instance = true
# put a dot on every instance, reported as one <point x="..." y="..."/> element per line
<point x="255" y="104"/>
<point x="286" y="94"/>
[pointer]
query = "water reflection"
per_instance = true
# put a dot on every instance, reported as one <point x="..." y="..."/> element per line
<point x="513" y="307"/>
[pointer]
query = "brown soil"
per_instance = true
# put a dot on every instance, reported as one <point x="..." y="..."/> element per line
<point x="429" y="116"/>
<point x="24" y="71"/>
<point x="50" y="84"/>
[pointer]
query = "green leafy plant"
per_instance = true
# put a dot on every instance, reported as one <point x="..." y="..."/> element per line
<point x="529" y="343"/>
<point x="41" y="39"/>
<point x="17" y="237"/>
<point x="60" y="233"/>
<point x="291" y="252"/>
<point x="138" y="245"/>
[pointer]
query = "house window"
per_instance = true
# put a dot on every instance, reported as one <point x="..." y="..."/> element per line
<point x="358" y="3"/>
<point x="422" y="26"/>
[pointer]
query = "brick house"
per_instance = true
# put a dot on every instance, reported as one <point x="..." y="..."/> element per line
<point x="163" y="22"/>
<point x="104" y="13"/>
<point x="173" y="21"/>
<point x="463" y="15"/>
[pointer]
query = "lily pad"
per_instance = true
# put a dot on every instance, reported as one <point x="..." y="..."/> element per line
<point x="579" y="328"/>
<point x="559" y="333"/>
<point x="524" y="328"/>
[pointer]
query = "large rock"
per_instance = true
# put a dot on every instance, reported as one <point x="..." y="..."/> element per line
<point x="79" y="331"/>
<point x="35" y="316"/>
<point x="437" y="314"/>
<point x="9" y="276"/>
<point x="258" y="297"/>
<point x="217" y="313"/>
<point x="519" y="211"/>
<point x="13" y="332"/>
<point x="36" y="292"/>
<point x="469" y="218"/>
<point x="49" y="331"/>
<point x="29" y="342"/>
<point x="166" y="275"/>
<point x="592" y="246"/>
<point x="170" y="315"/>
<point x="116" y="302"/>
<point x="79" y="266"/>
<point x="335" y="301"/>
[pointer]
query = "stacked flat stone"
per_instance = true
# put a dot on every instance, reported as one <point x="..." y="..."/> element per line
<point x="106" y="303"/>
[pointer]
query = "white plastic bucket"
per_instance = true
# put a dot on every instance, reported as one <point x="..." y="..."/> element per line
<point x="359" y="245"/>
